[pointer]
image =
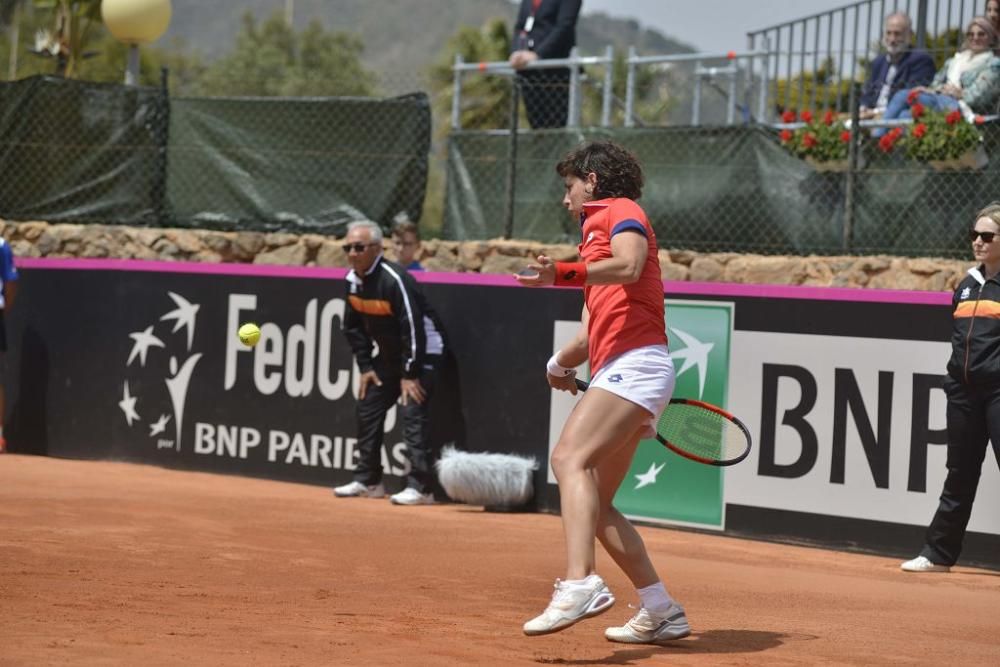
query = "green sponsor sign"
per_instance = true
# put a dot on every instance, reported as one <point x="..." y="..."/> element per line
<point x="660" y="485"/>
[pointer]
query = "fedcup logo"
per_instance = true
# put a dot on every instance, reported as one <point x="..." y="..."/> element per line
<point x="158" y="372"/>
<point x="661" y="486"/>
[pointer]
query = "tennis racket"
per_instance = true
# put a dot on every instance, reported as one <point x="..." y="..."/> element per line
<point x="700" y="431"/>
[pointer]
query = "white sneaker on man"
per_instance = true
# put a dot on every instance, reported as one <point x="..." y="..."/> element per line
<point x="410" y="496"/>
<point x="571" y="603"/>
<point x="923" y="564"/>
<point x="358" y="490"/>
<point x="648" y="627"/>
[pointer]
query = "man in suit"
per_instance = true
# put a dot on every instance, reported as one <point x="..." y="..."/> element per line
<point x="544" y="29"/>
<point x="898" y="68"/>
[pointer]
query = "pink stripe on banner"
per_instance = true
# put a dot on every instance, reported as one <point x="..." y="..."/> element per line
<point x="811" y="293"/>
<point x="494" y="280"/>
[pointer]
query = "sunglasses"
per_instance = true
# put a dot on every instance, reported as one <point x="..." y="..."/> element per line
<point x="356" y="247"/>
<point x="987" y="237"/>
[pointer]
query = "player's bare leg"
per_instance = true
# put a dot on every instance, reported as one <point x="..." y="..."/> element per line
<point x="592" y="433"/>
<point x="660" y="619"/>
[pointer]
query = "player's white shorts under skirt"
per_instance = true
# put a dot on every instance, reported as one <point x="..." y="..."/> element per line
<point x="645" y="376"/>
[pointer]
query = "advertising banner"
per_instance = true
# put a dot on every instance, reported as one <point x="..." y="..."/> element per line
<point x="841" y="390"/>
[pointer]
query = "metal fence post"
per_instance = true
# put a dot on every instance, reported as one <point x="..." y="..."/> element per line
<point x="630" y="89"/>
<point x="921" y="27"/>
<point x="456" y="96"/>
<point x="764" y="83"/>
<point x="515" y="113"/>
<point x="574" y="91"/>
<point x="609" y="53"/>
<point x="696" y="103"/>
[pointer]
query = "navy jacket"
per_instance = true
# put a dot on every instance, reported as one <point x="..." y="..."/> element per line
<point x="915" y="68"/>
<point x="553" y="33"/>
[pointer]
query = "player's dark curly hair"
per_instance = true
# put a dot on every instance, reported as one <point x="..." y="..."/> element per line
<point x="619" y="173"/>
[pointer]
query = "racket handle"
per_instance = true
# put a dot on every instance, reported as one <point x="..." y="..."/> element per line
<point x="581" y="385"/>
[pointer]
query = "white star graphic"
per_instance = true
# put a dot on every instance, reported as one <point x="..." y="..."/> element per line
<point x="143" y="341"/>
<point x="159" y="426"/>
<point x="695" y="354"/>
<point x="649" y="477"/>
<point x="127" y="404"/>
<point x="184" y="315"/>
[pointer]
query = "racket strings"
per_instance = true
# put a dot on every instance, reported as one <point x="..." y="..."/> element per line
<point x="701" y="432"/>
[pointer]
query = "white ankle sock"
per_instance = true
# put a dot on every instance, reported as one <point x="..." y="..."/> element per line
<point x="655" y="597"/>
<point x="582" y="583"/>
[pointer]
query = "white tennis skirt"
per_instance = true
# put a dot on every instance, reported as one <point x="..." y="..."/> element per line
<point x="644" y="376"/>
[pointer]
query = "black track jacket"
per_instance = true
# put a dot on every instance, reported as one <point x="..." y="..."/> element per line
<point x="975" y="337"/>
<point x="387" y="306"/>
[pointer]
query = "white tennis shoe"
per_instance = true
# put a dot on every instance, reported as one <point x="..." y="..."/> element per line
<point x="358" y="490"/>
<point x="648" y="627"/>
<point x="923" y="564"/>
<point x="410" y="496"/>
<point x="571" y="603"/>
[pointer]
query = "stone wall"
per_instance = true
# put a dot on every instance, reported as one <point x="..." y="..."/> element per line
<point x="40" y="239"/>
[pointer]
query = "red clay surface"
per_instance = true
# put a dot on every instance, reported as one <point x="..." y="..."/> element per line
<point x="113" y="563"/>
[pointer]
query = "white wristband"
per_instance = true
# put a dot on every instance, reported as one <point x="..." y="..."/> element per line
<point x="556" y="369"/>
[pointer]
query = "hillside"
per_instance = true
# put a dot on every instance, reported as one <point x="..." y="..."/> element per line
<point x="405" y="36"/>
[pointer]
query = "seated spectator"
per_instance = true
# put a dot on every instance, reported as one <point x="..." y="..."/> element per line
<point x="992" y="13"/>
<point x="972" y="76"/>
<point x="899" y="67"/>
<point x="406" y="243"/>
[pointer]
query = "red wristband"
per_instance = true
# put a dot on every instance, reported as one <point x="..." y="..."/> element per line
<point x="571" y="273"/>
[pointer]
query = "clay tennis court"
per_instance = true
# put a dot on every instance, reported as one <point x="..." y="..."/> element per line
<point x="115" y="563"/>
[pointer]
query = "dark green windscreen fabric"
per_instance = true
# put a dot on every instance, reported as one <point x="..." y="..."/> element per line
<point x="729" y="189"/>
<point x="72" y="151"/>
<point x="300" y="165"/>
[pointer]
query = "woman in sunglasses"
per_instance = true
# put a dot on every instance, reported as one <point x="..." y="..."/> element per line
<point x="971" y="76"/>
<point x="973" y="389"/>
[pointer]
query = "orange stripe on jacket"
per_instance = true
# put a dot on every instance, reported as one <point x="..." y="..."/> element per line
<point x="371" y="306"/>
<point x="980" y="308"/>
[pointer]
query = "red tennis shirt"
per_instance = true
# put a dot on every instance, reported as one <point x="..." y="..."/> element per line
<point x="622" y="317"/>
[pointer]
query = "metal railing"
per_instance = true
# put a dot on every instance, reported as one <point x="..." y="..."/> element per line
<point x="574" y="63"/>
<point x="837" y="44"/>
<point x="702" y="73"/>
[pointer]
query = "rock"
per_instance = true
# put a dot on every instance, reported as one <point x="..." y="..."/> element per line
<point x="705" y="269"/>
<point x="287" y="255"/>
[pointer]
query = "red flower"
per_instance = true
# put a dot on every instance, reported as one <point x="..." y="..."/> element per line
<point x="806" y="116"/>
<point x="917" y="110"/>
<point x="886" y="143"/>
<point x="809" y="140"/>
<point x="895" y="133"/>
<point x="786" y="136"/>
<point x="953" y="117"/>
<point x="845" y="136"/>
<point x="828" y="117"/>
<point x="979" y="120"/>
<point x="919" y="130"/>
<point x="788" y="117"/>
<point x="912" y="96"/>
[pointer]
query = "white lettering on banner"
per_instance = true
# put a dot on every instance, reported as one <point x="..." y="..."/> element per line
<point x="232" y="441"/>
<point x="846" y="426"/>
<point x="300" y="361"/>
<point x="320" y="451"/>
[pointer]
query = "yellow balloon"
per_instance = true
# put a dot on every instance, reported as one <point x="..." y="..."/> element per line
<point x="136" y="21"/>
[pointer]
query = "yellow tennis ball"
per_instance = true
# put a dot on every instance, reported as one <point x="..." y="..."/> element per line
<point x="249" y="334"/>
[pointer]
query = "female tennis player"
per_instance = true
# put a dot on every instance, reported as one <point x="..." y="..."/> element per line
<point x="624" y="335"/>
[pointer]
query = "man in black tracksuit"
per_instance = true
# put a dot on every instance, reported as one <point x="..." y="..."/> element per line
<point x="385" y="306"/>
<point x="973" y="390"/>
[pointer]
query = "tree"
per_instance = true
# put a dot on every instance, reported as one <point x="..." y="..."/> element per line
<point x="75" y="23"/>
<point x="485" y="97"/>
<point x="272" y="60"/>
